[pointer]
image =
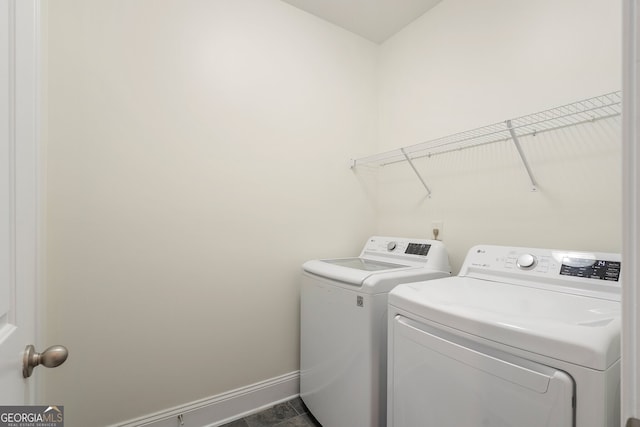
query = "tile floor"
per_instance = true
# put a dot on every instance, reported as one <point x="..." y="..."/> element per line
<point x="292" y="413"/>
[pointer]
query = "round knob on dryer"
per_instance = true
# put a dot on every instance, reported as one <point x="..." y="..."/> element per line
<point x="391" y="246"/>
<point x="526" y="261"/>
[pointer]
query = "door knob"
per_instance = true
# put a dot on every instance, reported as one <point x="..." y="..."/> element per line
<point x="51" y="357"/>
<point x="633" y="422"/>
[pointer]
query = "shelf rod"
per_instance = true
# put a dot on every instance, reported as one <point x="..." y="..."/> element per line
<point x="514" y="137"/>
<point x="406" y="156"/>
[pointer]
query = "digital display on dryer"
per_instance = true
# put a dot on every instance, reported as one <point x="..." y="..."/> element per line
<point x="591" y="269"/>
<point x="418" y="249"/>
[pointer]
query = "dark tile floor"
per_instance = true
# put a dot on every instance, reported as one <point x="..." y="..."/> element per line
<point x="292" y="413"/>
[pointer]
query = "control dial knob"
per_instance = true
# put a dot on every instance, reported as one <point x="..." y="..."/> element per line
<point x="391" y="246"/>
<point x="526" y="261"/>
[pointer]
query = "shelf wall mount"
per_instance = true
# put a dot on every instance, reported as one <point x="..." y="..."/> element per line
<point x="424" y="184"/>
<point x="516" y="142"/>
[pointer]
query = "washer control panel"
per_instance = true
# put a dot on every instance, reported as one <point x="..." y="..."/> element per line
<point x="412" y="252"/>
<point x="399" y="246"/>
<point x="421" y="249"/>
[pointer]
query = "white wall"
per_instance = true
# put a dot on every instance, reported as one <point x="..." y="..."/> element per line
<point x="468" y="64"/>
<point x="198" y="152"/>
<point x="197" y="155"/>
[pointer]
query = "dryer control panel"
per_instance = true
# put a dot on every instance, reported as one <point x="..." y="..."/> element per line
<point x="574" y="271"/>
<point x="591" y="269"/>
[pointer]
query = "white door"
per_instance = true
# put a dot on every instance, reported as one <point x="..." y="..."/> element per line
<point x="631" y="217"/>
<point x="19" y="33"/>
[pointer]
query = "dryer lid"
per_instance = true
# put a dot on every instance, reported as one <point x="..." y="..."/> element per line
<point x="577" y="329"/>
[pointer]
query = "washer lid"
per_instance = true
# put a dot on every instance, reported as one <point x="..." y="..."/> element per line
<point x="353" y="271"/>
<point x="364" y="264"/>
<point x="371" y="280"/>
<point x="576" y="329"/>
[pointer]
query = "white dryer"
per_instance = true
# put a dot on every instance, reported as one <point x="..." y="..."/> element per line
<point x="520" y="338"/>
<point x="344" y="326"/>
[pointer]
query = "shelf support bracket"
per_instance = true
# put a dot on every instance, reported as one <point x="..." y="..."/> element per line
<point x="516" y="142"/>
<point x="424" y="184"/>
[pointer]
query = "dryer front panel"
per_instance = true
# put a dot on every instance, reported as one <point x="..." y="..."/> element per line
<point x="442" y="380"/>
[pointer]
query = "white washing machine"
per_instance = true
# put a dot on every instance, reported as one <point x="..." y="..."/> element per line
<point x="520" y="338"/>
<point x="344" y="326"/>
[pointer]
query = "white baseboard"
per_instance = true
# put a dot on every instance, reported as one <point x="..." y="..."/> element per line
<point x="217" y="410"/>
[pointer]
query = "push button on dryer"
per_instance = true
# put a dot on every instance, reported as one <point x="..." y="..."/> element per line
<point x="526" y="261"/>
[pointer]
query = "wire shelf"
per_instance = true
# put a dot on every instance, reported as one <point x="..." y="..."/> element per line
<point x="585" y="111"/>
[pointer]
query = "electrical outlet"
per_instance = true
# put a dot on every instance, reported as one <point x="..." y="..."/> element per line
<point x="436" y="229"/>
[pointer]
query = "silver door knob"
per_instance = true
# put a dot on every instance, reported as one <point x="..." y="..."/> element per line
<point x="633" y="422"/>
<point x="51" y="357"/>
